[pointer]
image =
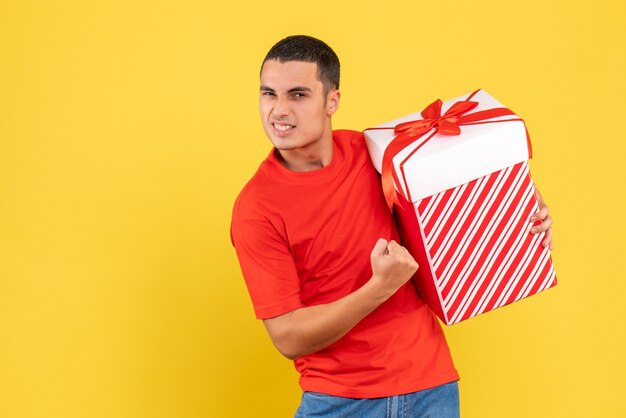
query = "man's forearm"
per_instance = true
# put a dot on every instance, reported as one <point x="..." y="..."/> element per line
<point x="313" y="328"/>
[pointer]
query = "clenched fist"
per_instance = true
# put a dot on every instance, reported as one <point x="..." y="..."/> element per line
<point x="392" y="266"/>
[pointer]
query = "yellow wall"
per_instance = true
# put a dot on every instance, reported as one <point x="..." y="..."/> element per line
<point x="127" y="128"/>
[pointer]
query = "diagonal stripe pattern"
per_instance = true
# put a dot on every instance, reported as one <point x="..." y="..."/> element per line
<point x="479" y="244"/>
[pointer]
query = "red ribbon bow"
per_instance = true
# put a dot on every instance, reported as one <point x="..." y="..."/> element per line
<point x="447" y="124"/>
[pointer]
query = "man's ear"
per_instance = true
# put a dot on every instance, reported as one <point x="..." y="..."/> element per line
<point x="332" y="101"/>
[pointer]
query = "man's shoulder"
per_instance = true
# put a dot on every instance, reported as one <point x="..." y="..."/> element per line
<point x="353" y="145"/>
<point x="350" y="139"/>
<point x="349" y="135"/>
<point x="256" y="188"/>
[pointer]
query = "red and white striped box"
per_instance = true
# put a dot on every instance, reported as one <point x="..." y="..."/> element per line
<point x="463" y="211"/>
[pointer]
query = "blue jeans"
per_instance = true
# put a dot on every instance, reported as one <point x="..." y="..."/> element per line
<point x="438" y="402"/>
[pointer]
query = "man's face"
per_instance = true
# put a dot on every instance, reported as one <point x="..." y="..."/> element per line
<point x="294" y="110"/>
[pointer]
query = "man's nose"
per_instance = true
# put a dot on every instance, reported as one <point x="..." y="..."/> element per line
<point x="281" y="107"/>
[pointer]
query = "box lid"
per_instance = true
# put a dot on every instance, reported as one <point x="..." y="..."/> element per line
<point x="447" y="161"/>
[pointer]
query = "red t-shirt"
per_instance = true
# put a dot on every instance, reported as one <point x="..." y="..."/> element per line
<point x="305" y="238"/>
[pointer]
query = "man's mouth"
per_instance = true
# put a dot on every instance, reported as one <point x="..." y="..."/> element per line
<point x="283" y="127"/>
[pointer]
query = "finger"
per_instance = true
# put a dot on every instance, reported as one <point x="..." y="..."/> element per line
<point x="402" y="253"/>
<point x="535" y="217"/>
<point x="547" y="241"/>
<point x="379" y="248"/>
<point x="394" y="247"/>
<point x="407" y="256"/>
<point x="411" y="259"/>
<point x="543" y="212"/>
<point x="547" y="223"/>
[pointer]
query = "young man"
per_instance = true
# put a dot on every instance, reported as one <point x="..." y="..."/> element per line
<point x="319" y="252"/>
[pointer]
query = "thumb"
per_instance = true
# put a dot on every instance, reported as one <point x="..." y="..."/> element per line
<point x="380" y="248"/>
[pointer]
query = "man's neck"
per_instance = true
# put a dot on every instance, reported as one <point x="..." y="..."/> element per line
<point x="313" y="157"/>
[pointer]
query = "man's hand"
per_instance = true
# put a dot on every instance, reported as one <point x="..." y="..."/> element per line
<point x="546" y="221"/>
<point x="392" y="266"/>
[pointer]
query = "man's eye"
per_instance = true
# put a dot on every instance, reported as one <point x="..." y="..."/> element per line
<point x="267" y="93"/>
<point x="299" y="95"/>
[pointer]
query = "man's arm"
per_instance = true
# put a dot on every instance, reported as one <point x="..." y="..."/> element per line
<point x="545" y="218"/>
<point x="309" y="329"/>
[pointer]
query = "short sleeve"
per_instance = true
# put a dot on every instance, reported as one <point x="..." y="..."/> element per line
<point x="267" y="267"/>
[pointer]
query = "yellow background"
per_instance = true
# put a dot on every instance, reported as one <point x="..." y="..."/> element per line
<point x="127" y="129"/>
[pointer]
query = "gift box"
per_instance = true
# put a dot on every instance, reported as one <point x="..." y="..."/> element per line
<point x="458" y="177"/>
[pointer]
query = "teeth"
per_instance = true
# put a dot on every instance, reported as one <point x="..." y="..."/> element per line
<point x="282" y="127"/>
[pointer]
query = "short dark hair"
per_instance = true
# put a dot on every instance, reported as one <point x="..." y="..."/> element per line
<point x="308" y="49"/>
